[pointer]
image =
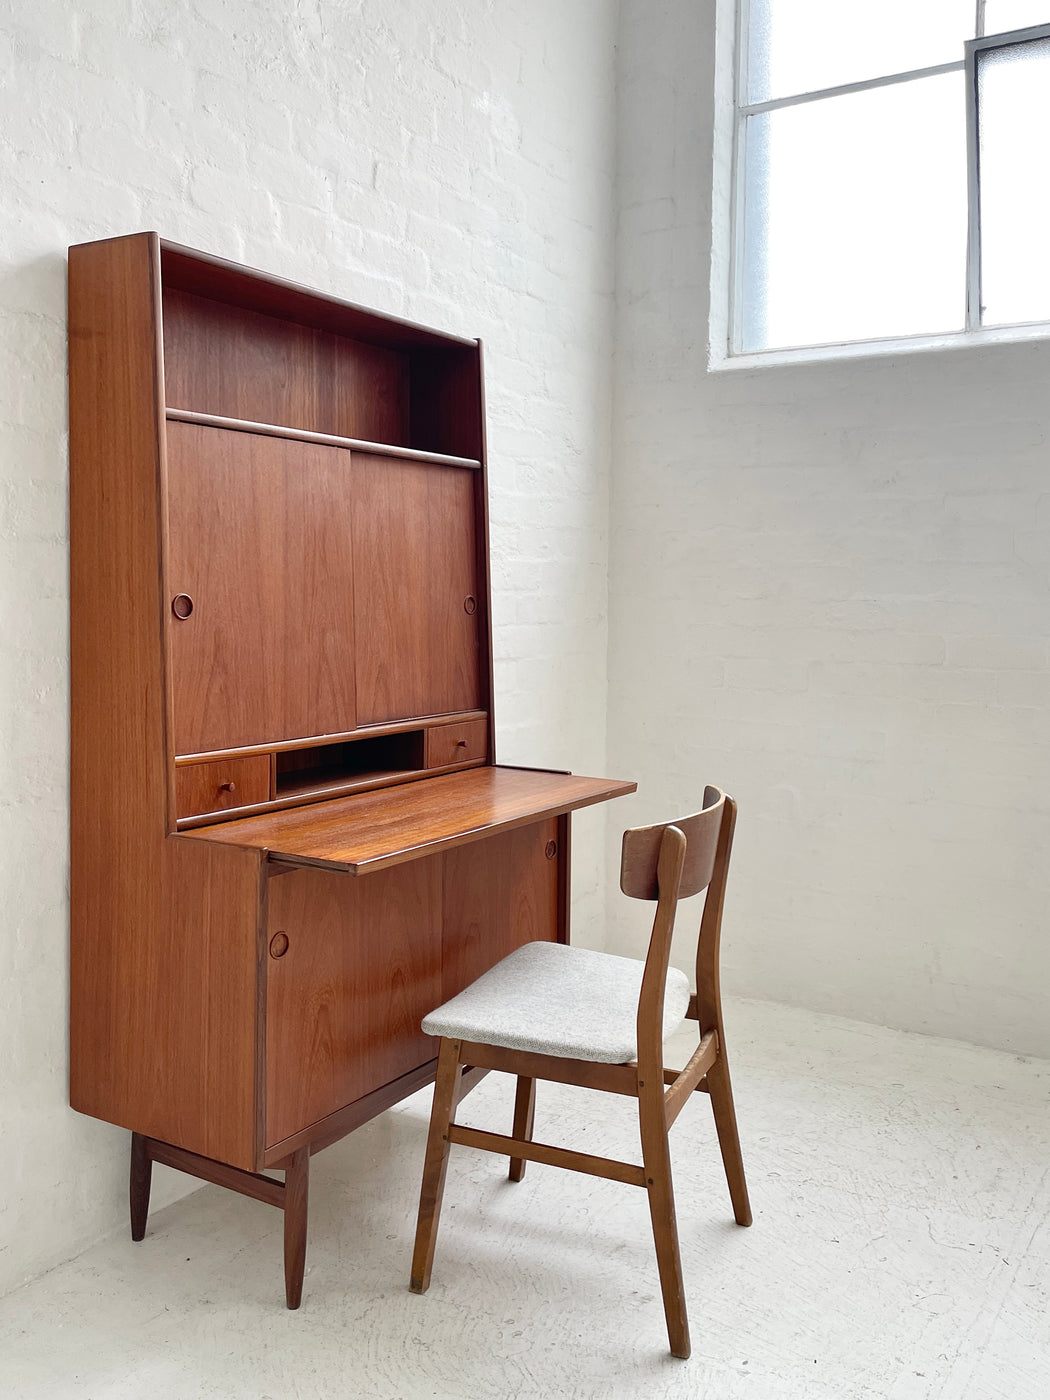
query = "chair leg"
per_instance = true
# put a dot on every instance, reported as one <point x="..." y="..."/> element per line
<point x="656" y="1159"/>
<point x="139" y="1185"/>
<point x="524" y="1116"/>
<point x="721" y="1092"/>
<point x="447" y="1088"/>
<point x="296" y="1200"/>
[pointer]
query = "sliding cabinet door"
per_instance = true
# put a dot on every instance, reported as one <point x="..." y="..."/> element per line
<point x="498" y="894"/>
<point x="417" y="610"/>
<point x="259" y="588"/>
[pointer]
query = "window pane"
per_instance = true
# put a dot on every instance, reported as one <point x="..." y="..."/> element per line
<point x="803" y="45"/>
<point x="855" y="216"/>
<point x="1013" y="87"/>
<point x="1001" y="15"/>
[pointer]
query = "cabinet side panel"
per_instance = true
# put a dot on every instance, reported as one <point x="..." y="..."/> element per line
<point x="484" y="566"/>
<point x="163" y="979"/>
<point x="498" y="894"/>
<point x="118" y="717"/>
<point x="118" y="755"/>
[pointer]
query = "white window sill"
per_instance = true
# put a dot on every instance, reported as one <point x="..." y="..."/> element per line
<point x="720" y="361"/>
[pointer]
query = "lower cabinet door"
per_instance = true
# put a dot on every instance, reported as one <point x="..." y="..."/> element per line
<point x="354" y="964"/>
<point x="498" y="894"/>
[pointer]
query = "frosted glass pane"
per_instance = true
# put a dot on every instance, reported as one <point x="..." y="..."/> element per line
<point x="855" y="216"/>
<point x="1013" y="124"/>
<point x="803" y="45"/>
<point x="1001" y="15"/>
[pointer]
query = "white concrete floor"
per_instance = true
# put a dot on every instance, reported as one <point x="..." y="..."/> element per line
<point x="900" y="1251"/>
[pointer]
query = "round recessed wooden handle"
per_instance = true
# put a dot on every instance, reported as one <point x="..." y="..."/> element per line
<point x="279" y="945"/>
<point x="470" y="604"/>
<point x="182" y="606"/>
<point x="550" y="850"/>
<point x="228" y="786"/>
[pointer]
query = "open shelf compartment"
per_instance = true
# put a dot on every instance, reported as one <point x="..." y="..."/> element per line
<point x="301" y="771"/>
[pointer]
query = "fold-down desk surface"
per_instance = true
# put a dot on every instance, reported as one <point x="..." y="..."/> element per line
<point x="373" y="830"/>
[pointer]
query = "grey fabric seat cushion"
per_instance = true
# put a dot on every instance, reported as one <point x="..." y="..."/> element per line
<point x="558" y="1000"/>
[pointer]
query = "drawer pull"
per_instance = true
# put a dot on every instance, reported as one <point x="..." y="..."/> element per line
<point x="228" y="786"/>
<point x="279" y="945"/>
<point x="182" y="606"/>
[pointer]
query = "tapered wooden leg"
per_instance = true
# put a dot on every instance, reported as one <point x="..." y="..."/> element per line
<point x="656" y="1159"/>
<point x="447" y="1088"/>
<point x="139" y="1185"/>
<point x="721" y="1091"/>
<point x="296" y="1201"/>
<point x="524" y="1115"/>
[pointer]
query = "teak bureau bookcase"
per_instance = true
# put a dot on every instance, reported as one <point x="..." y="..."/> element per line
<point x="290" y="837"/>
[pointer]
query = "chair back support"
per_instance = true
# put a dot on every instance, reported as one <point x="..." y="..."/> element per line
<point x="666" y="862"/>
<point x="641" y="851"/>
<point x="671" y="857"/>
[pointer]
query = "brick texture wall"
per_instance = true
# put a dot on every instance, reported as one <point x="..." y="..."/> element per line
<point x="831" y="595"/>
<point x="448" y="161"/>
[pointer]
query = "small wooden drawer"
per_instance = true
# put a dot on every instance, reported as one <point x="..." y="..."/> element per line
<point x="456" y="743"/>
<point x="228" y="782"/>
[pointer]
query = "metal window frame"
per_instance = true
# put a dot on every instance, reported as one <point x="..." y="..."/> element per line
<point x="973" y="47"/>
<point x="744" y="110"/>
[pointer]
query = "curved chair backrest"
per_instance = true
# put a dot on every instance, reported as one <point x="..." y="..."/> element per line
<point x="668" y="862"/>
<point x="640" y="857"/>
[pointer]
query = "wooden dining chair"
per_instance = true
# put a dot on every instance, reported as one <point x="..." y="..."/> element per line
<point x="550" y="1011"/>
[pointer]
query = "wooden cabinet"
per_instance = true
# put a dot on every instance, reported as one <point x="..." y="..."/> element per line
<point x="220" y="784"/>
<point x="356" y="967"/>
<point x="259" y="543"/>
<point x="415" y="589"/>
<point x="290" y="839"/>
<point x="498" y="895"/>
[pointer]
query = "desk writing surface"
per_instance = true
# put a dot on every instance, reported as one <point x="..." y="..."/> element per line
<point x="374" y="830"/>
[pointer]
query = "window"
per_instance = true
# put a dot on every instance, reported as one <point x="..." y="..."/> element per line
<point x="890" y="170"/>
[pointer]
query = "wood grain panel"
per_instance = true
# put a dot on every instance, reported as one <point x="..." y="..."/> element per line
<point x="118" y="713"/>
<point x="203" y="1011"/>
<point x="116" y="448"/>
<point x="218" y="786"/>
<point x="368" y="390"/>
<point x="239" y="363"/>
<point x="457" y="743"/>
<point x="260" y="540"/>
<point x="225" y="359"/>
<point x="163" y="935"/>
<point x="344" y="1003"/>
<point x="374" y="830"/>
<point x="498" y="894"/>
<point x="414" y="570"/>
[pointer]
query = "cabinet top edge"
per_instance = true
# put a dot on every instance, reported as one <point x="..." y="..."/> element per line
<point x="238" y="284"/>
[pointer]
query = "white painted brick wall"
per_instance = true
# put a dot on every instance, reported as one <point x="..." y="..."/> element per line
<point x="448" y="160"/>
<point x="829" y="583"/>
<point x="830" y="594"/>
